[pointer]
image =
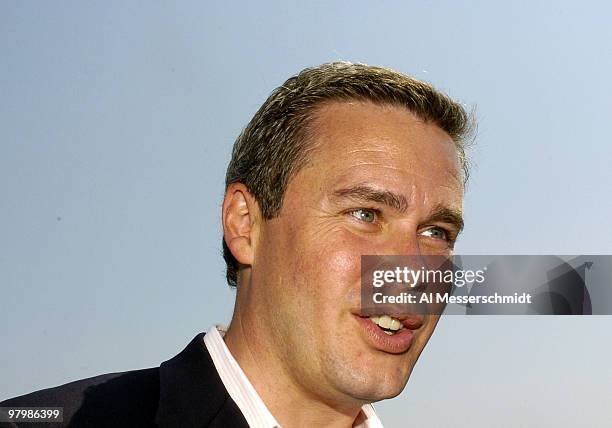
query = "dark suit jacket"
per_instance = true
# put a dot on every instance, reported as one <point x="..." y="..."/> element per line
<point x="185" y="391"/>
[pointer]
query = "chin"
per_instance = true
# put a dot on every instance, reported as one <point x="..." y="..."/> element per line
<point x="382" y="391"/>
<point x="377" y="385"/>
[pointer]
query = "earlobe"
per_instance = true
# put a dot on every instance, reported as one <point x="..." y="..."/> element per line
<point x="240" y="219"/>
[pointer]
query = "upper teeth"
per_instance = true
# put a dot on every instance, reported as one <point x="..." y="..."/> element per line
<point x="385" y="321"/>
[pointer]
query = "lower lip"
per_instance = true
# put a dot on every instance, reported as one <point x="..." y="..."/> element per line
<point x="392" y="343"/>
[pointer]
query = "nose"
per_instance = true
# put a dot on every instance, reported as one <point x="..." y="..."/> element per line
<point x="403" y="243"/>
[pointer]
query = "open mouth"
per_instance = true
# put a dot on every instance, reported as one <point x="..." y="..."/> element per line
<point x="390" y="334"/>
<point x="387" y="324"/>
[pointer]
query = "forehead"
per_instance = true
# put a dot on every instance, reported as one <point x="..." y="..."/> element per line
<point x="362" y="140"/>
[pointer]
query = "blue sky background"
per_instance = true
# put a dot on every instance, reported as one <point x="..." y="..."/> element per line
<point x="116" y="125"/>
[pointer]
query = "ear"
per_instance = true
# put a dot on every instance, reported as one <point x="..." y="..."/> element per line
<point x="241" y="218"/>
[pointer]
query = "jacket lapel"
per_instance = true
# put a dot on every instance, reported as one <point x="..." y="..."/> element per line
<point x="192" y="394"/>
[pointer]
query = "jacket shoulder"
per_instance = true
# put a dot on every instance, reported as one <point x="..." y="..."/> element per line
<point x="114" y="399"/>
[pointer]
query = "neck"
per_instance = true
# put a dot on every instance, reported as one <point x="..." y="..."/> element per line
<point x="290" y="404"/>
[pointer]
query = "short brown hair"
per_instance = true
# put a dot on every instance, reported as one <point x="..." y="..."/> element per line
<point x="273" y="146"/>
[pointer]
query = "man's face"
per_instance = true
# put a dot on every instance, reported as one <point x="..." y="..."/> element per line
<point x="337" y="208"/>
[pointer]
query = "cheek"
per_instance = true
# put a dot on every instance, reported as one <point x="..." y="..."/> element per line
<point x="333" y="272"/>
<point x="328" y="268"/>
<point x="316" y="269"/>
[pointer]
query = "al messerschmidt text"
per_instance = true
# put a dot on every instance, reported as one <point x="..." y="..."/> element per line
<point x="495" y="298"/>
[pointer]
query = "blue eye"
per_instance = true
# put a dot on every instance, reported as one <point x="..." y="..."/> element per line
<point x="437" y="233"/>
<point x="364" y="214"/>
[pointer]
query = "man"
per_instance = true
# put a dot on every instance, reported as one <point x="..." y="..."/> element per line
<point x="341" y="160"/>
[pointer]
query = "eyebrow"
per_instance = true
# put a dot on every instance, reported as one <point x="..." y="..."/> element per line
<point x="369" y="194"/>
<point x="400" y="203"/>
<point x="447" y="215"/>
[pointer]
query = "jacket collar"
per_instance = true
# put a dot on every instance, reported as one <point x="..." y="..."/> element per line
<point x="192" y="394"/>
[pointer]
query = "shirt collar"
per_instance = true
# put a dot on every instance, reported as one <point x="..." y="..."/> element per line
<point x="243" y="393"/>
